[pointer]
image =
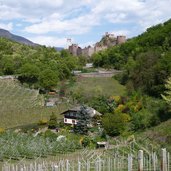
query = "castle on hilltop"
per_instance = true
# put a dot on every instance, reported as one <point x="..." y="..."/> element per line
<point x="107" y="41"/>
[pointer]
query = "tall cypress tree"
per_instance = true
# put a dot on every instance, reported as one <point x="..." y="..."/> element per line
<point x="83" y="120"/>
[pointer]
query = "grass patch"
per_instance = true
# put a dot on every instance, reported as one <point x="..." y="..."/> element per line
<point x="98" y="86"/>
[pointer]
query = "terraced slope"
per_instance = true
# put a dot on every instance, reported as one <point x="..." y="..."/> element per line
<point x="22" y="106"/>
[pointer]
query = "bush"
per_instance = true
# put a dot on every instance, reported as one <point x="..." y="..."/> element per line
<point x="2" y="130"/>
<point x="142" y="119"/>
<point x="50" y="134"/>
<point x="86" y="141"/>
<point x="115" y="124"/>
<point x="43" y="122"/>
<point x="52" y="124"/>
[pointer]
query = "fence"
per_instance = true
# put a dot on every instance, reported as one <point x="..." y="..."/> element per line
<point x="100" y="161"/>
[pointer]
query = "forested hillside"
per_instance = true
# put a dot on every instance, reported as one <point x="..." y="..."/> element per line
<point x="39" y="67"/>
<point x="146" y="60"/>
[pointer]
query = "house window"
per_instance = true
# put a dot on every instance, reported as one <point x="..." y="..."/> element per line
<point x="73" y="121"/>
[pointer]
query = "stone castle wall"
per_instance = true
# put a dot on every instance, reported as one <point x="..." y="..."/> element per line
<point x="75" y="50"/>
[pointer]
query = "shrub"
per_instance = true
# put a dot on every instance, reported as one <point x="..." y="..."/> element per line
<point x="52" y="124"/>
<point x="86" y="141"/>
<point x="43" y="122"/>
<point x="2" y="130"/>
<point x="115" y="124"/>
<point x="50" y="134"/>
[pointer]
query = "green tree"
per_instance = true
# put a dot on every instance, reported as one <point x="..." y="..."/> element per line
<point x="65" y="53"/>
<point x="52" y="124"/>
<point x="29" y="73"/>
<point x="83" y="120"/>
<point x="48" y="79"/>
<point x="115" y="124"/>
<point x="7" y="65"/>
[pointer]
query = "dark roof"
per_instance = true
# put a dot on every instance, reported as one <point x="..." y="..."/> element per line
<point x="92" y="112"/>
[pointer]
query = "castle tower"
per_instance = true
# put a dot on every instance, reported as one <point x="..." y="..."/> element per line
<point x="121" y="39"/>
<point x="73" y="49"/>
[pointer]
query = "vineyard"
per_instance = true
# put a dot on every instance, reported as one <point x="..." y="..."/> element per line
<point x="15" y="96"/>
<point x="123" y="155"/>
<point x="17" y="146"/>
<point x="21" y="106"/>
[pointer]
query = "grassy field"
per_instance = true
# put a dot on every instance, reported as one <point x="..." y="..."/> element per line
<point x="22" y="106"/>
<point x="97" y="86"/>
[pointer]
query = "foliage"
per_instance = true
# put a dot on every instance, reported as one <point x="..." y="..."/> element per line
<point x="141" y="120"/>
<point x="37" y="66"/>
<point x="43" y="122"/>
<point x="102" y="104"/>
<point x="86" y="141"/>
<point x="48" y="79"/>
<point x="133" y="113"/>
<point x="52" y="124"/>
<point x="2" y="130"/>
<point x="115" y="124"/>
<point x="83" y="120"/>
<point x="51" y="135"/>
<point x="167" y="96"/>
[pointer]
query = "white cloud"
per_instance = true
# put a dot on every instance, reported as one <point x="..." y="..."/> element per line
<point x="142" y="13"/>
<point x="116" y="17"/>
<point x="49" y="41"/>
<point x="8" y="26"/>
<point x="8" y="12"/>
<point x="77" y="26"/>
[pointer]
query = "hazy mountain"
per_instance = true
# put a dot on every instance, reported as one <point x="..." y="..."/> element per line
<point x="59" y="48"/>
<point x="19" y="39"/>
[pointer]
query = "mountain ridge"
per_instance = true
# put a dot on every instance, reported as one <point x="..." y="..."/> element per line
<point x="6" y="34"/>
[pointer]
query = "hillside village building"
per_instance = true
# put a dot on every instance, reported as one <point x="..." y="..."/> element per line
<point x="71" y="115"/>
<point x="107" y="41"/>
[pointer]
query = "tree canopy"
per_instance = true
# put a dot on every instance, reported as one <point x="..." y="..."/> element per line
<point x="38" y="66"/>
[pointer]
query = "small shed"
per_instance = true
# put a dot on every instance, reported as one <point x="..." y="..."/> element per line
<point x="102" y="144"/>
<point x="89" y="65"/>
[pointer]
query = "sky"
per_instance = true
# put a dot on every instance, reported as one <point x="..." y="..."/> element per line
<point x="52" y="22"/>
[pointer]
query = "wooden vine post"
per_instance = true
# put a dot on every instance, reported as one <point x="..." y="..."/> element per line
<point x="163" y="159"/>
<point x="140" y="160"/>
<point x="129" y="162"/>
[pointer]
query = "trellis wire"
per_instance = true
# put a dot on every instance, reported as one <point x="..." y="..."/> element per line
<point x="139" y="162"/>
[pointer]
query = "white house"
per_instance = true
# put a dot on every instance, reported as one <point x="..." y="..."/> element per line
<point x="71" y="115"/>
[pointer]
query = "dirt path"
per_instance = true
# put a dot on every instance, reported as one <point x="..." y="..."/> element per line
<point x="100" y="73"/>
